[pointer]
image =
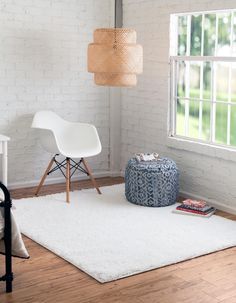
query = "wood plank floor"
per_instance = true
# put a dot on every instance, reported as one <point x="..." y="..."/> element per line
<point x="48" y="278"/>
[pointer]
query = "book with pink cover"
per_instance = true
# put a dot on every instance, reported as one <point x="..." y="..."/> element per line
<point x="195" y="203"/>
<point x="195" y="208"/>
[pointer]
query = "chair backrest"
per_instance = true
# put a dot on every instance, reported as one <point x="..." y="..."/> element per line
<point x="71" y="139"/>
<point x="46" y="119"/>
<point x="47" y="122"/>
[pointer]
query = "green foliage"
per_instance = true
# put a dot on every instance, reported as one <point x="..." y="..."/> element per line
<point x="182" y="37"/>
<point x="196" y="35"/>
<point x="209" y="35"/>
<point x="221" y="121"/>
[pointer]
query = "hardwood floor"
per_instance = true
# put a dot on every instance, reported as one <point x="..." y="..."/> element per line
<point x="48" y="278"/>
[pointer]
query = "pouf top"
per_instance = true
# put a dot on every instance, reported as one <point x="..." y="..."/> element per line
<point x="160" y="164"/>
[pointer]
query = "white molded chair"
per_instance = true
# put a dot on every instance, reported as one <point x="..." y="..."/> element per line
<point x="69" y="139"/>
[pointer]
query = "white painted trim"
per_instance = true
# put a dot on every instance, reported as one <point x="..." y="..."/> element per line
<point x="214" y="203"/>
<point x="173" y="51"/>
<point x="25" y="184"/>
<point x="115" y="129"/>
<point x="216" y="11"/>
<point x="187" y="90"/>
<point x="229" y="105"/>
<point x="204" y="100"/>
<point x="173" y="106"/>
<point x="200" y="103"/>
<point x="201" y="78"/>
<point x="115" y="174"/>
<point x="213" y="103"/>
<point x="187" y="76"/>
<point x="200" y="147"/>
<point x="204" y="58"/>
<point x="230" y="81"/>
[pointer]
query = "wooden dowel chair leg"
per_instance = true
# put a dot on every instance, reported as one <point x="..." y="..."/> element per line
<point x="68" y="180"/>
<point x="91" y="176"/>
<point x="44" y="176"/>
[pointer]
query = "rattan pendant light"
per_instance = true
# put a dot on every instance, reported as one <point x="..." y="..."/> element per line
<point x="114" y="57"/>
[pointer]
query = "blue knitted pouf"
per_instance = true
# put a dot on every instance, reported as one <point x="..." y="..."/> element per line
<point x="152" y="183"/>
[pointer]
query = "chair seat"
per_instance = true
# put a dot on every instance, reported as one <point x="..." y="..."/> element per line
<point x="79" y="154"/>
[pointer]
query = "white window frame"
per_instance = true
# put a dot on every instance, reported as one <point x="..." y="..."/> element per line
<point x="174" y="59"/>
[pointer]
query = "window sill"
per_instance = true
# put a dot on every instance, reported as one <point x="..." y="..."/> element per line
<point x="213" y="151"/>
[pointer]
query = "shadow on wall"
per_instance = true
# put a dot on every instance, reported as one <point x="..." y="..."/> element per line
<point x="32" y="159"/>
<point x="23" y="148"/>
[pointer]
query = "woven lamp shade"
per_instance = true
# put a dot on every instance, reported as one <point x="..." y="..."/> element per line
<point x="114" y="57"/>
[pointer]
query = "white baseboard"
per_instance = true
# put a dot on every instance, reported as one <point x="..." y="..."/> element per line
<point x="23" y="184"/>
<point x="115" y="174"/>
<point x="214" y="203"/>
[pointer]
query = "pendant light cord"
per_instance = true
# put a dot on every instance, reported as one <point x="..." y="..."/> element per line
<point x="115" y="14"/>
<point x="115" y="24"/>
<point x="118" y="5"/>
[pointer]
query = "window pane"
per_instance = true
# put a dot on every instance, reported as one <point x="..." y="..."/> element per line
<point x="233" y="126"/>
<point x="194" y="91"/>
<point x="182" y="35"/>
<point x="193" y="119"/>
<point x="194" y="79"/>
<point x="221" y="123"/>
<point x="207" y="80"/>
<point x="180" y="129"/>
<point x="222" y="81"/>
<point x="196" y="35"/>
<point x="234" y="35"/>
<point x="209" y="34"/>
<point x="181" y="79"/>
<point x="223" y="48"/>
<point x="206" y="120"/>
<point x="233" y="83"/>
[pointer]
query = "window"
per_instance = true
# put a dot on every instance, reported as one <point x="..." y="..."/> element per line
<point x="203" y="77"/>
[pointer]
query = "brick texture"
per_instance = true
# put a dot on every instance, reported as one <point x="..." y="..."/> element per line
<point x="43" y="65"/>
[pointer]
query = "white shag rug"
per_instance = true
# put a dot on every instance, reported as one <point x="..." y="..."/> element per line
<point x="109" y="238"/>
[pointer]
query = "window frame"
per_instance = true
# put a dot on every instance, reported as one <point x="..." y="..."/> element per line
<point x="174" y="59"/>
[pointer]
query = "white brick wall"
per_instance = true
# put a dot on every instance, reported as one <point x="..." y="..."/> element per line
<point x="145" y="108"/>
<point x="43" y="47"/>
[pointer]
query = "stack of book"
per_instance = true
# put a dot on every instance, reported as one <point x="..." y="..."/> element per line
<point x="195" y="208"/>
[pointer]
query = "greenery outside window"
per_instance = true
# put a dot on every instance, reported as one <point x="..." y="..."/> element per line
<point x="203" y="77"/>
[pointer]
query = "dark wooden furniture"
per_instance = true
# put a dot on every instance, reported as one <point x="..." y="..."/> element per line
<point x="6" y="204"/>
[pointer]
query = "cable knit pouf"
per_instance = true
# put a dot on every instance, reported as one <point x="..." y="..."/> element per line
<point x="152" y="183"/>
